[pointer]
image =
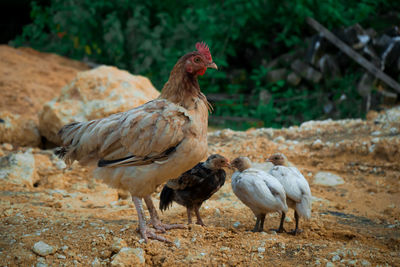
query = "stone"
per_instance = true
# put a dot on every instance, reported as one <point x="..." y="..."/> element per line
<point x="18" y="130"/>
<point x="42" y="249"/>
<point x="96" y="262"/>
<point x="329" y="264"/>
<point x="317" y="144"/>
<point x="365" y="263"/>
<point x="328" y="179"/>
<point x="118" y="244"/>
<point x="19" y="168"/>
<point x="335" y="258"/>
<point x="293" y="79"/>
<point x="306" y="71"/>
<point x="92" y="95"/>
<point x="129" y="257"/>
<point x="276" y="75"/>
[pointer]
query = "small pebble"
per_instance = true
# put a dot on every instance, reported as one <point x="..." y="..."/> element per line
<point x="177" y="243"/>
<point x="336" y="258"/>
<point x="42" y="248"/>
<point x="236" y="224"/>
<point x="365" y="263"/>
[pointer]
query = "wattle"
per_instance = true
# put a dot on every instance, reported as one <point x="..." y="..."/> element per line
<point x="202" y="71"/>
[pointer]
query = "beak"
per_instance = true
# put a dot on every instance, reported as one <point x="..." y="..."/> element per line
<point x="212" y="66"/>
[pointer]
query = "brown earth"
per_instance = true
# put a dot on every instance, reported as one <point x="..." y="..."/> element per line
<point x="353" y="224"/>
<point x="356" y="223"/>
<point x="30" y="78"/>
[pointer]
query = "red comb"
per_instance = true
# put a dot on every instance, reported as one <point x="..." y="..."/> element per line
<point x="203" y="49"/>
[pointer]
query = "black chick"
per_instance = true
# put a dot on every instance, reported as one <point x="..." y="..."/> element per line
<point x="195" y="186"/>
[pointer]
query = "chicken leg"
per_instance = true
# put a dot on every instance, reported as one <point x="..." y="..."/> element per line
<point x="189" y="215"/>
<point x="259" y="227"/>
<point x="296" y="230"/>
<point x="199" y="220"/>
<point x="281" y="229"/>
<point x="144" y="231"/>
<point x="155" y="221"/>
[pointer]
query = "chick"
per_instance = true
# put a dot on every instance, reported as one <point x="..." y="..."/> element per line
<point x="297" y="189"/>
<point x="195" y="186"/>
<point x="258" y="190"/>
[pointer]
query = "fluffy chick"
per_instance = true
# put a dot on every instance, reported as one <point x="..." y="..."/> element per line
<point x="195" y="186"/>
<point x="258" y="190"/>
<point x="298" y="192"/>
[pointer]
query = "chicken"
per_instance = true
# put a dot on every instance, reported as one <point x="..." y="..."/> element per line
<point x="298" y="193"/>
<point x="258" y="190"/>
<point x="195" y="186"/>
<point x="144" y="147"/>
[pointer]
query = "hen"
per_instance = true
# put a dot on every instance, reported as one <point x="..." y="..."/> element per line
<point x="139" y="149"/>
<point x="195" y="186"/>
<point x="298" y="191"/>
<point x="258" y="190"/>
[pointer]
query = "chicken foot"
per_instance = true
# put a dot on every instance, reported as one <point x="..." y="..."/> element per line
<point x="155" y="221"/>
<point x="296" y="230"/>
<point x="199" y="220"/>
<point x="259" y="227"/>
<point x="145" y="232"/>
<point x="281" y="229"/>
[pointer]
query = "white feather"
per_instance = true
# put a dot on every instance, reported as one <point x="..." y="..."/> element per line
<point x="258" y="190"/>
<point x="297" y="189"/>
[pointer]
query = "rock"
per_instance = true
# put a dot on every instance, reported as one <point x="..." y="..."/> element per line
<point x="365" y="263"/>
<point x="118" y="244"/>
<point x="30" y="78"/>
<point x="293" y="79"/>
<point x="393" y="131"/>
<point x="177" y="243"/>
<point x="129" y="257"/>
<point x="236" y="224"/>
<point x="336" y="258"/>
<point x="18" y="130"/>
<point x="317" y="144"/>
<point x="19" y="168"/>
<point x="94" y="94"/>
<point x="330" y="264"/>
<point x="376" y="133"/>
<point x="328" y="179"/>
<point x="276" y="75"/>
<point x="279" y="139"/>
<point x="8" y="147"/>
<point x="96" y="262"/>
<point x="306" y="71"/>
<point x="42" y="249"/>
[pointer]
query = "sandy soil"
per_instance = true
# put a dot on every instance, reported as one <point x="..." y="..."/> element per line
<point x="353" y="224"/>
<point x="30" y="78"/>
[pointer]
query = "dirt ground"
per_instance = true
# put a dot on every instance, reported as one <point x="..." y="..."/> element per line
<point x="353" y="224"/>
<point x="356" y="223"/>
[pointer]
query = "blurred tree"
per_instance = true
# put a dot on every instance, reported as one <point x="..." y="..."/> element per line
<point x="148" y="37"/>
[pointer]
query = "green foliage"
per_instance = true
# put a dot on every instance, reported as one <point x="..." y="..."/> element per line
<point x="147" y="37"/>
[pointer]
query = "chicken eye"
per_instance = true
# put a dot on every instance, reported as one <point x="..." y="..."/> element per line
<point x="196" y="59"/>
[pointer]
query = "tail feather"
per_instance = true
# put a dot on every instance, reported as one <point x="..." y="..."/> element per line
<point x="77" y="144"/>
<point x="166" y="198"/>
<point x="303" y="207"/>
<point x="60" y="152"/>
